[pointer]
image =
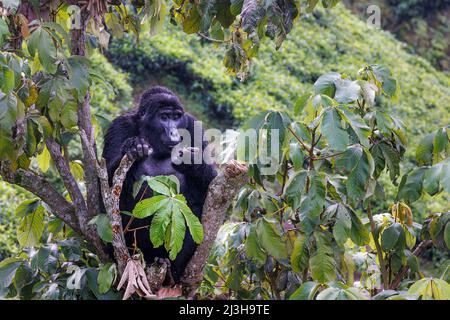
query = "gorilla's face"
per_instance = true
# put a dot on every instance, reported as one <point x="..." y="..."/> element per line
<point x="161" y="128"/>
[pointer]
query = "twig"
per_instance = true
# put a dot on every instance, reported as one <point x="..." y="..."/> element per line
<point x="298" y="139"/>
<point x="212" y="39"/>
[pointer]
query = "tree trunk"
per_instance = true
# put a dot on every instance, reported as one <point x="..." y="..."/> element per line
<point x="221" y="192"/>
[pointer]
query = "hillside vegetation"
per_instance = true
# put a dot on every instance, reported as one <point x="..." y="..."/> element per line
<point x="278" y="78"/>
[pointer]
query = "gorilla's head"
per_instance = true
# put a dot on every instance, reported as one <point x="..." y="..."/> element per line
<point x="160" y="115"/>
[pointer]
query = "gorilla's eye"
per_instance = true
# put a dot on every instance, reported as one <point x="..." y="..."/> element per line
<point x="176" y="115"/>
<point x="164" y="116"/>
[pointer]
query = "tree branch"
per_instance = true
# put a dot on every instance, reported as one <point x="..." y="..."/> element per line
<point x="87" y="230"/>
<point x="221" y="192"/>
<point x="93" y="199"/>
<point x="69" y="181"/>
<point x="88" y="145"/>
<point x="40" y="187"/>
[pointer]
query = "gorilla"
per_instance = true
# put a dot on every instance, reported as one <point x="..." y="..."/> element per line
<point x="148" y="134"/>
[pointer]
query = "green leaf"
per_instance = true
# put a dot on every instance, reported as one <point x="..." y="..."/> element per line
<point x="253" y="249"/>
<point x="76" y="168"/>
<point x="192" y="221"/>
<point x="447" y="235"/>
<point x="301" y="103"/>
<point x="312" y="204"/>
<point x="300" y="255"/>
<point x="106" y="277"/>
<point x="8" y="268"/>
<point x="390" y="236"/>
<point x="8" y="81"/>
<point x="4" y="31"/>
<point x="424" y="151"/>
<point x="31" y="141"/>
<point x="430" y="288"/>
<point x="44" y="260"/>
<point x="31" y="227"/>
<point x="431" y="179"/>
<point x="392" y="159"/>
<point x="68" y="115"/>
<point x="270" y="238"/>
<point x="147" y="207"/>
<point x="295" y="188"/>
<point x="357" y="124"/>
<point x="341" y="292"/>
<point x="347" y="91"/>
<point x="103" y="226"/>
<point x="410" y="188"/>
<point x="40" y="42"/>
<point x="166" y="185"/>
<point x="192" y="22"/>
<point x="445" y="176"/>
<point x="322" y="264"/>
<point x="307" y="291"/>
<point x="159" y="225"/>
<point x="325" y="84"/>
<point x="358" y="232"/>
<point x="359" y="176"/>
<point x="27" y="207"/>
<point x="177" y="232"/>
<point x="224" y="15"/>
<point x="384" y="122"/>
<point x="296" y="156"/>
<point x="349" y="159"/>
<point x="8" y="111"/>
<point x="78" y="68"/>
<point x="43" y="160"/>
<point x="332" y="130"/>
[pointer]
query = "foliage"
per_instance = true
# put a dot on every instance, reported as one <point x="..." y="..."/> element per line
<point x="193" y="67"/>
<point x="303" y="232"/>
<point x="171" y="214"/>
<point x="298" y="228"/>
<point x="278" y="78"/>
<point x="420" y="23"/>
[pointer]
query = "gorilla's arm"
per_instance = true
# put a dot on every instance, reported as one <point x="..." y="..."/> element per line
<point x="121" y="129"/>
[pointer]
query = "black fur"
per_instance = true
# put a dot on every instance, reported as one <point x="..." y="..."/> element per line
<point x="127" y="134"/>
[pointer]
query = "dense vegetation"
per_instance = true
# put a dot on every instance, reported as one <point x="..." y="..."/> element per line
<point x="279" y="77"/>
<point x="420" y="23"/>
<point x="348" y="211"/>
<point x="192" y="67"/>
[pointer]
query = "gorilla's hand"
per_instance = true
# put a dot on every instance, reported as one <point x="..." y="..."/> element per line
<point x="136" y="148"/>
<point x="186" y="156"/>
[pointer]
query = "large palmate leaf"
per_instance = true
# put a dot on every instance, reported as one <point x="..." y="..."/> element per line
<point x="170" y="216"/>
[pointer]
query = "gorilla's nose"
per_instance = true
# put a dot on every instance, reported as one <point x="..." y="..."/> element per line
<point x="174" y="135"/>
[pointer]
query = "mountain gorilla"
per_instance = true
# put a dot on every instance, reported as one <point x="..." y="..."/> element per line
<point x="148" y="134"/>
